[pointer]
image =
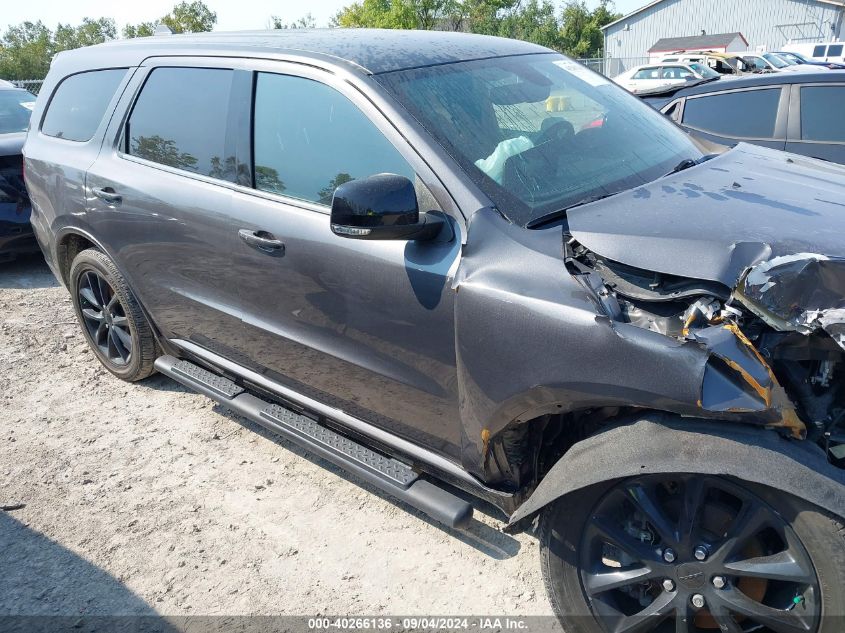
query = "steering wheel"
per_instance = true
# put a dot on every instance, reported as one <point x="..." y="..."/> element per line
<point x="554" y="129"/>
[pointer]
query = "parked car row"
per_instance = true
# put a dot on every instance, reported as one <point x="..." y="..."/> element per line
<point x="682" y="67"/>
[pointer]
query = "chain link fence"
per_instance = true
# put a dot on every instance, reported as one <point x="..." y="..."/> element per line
<point x="33" y="85"/>
<point x="612" y="66"/>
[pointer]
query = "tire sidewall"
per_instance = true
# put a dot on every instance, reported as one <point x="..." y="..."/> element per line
<point x="94" y="261"/>
<point x="562" y="524"/>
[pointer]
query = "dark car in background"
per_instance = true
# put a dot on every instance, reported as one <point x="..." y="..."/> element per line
<point x="442" y="260"/>
<point x="800" y="59"/>
<point x="796" y="112"/>
<point x="16" y="235"/>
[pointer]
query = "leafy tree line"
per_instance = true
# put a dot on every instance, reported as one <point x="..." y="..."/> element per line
<point x="27" y="48"/>
<point x="575" y="30"/>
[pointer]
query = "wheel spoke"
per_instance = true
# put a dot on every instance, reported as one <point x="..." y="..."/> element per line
<point x="777" y="620"/>
<point x="605" y="581"/>
<point x="649" y="506"/>
<point x="94" y="315"/>
<point x="780" y="566"/>
<point x="123" y="336"/>
<point x="724" y="619"/>
<point x="694" y="492"/>
<point x="120" y="352"/>
<point x="684" y="619"/>
<point x="647" y="619"/>
<point x="100" y="333"/>
<point x="88" y="295"/>
<point x="621" y="539"/>
<point x="120" y="321"/>
<point x="105" y="290"/>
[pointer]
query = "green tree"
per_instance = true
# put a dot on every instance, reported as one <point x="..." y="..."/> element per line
<point x="305" y="22"/>
<point x="576" y="30"/>
<point x="144" y="29"/>
<point x="25" y="51"/>
<point x="581" y="34"/>
<point x="88" y="33"/>
<point x="185" y="17"/>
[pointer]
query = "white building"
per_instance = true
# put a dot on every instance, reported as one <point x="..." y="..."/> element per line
<point x="763" y="24"/>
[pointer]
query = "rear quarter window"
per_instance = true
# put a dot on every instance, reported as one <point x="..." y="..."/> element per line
<point x="821" y="113"/>
<point x="818" y="51"/>
<point x="739" y="114"/>
<point x="79" y="104"/>
<point x="834" y="50"/>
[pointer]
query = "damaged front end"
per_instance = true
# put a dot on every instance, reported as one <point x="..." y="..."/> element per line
<point x="775" y="342"/>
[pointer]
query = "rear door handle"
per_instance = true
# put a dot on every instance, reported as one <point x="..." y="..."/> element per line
<point x="108" y="194"/>
<point x="262" y="240"/>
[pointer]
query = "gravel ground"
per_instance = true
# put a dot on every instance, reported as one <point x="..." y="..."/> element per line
<point x="148" y="499"/>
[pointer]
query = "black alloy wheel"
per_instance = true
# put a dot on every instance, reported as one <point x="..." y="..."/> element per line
<point x="104" y="318"/>
<point x="687" y="553"/>
<point x="112" y="320"/>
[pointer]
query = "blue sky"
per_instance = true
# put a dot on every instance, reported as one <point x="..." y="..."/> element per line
<point x="231" y="14"/>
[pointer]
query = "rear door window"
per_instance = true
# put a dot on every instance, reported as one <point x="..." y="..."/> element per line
<point x="79" y="103"/>
<point x="739" y="114"/>
<point x="821" y="113"/>
<point x="647" y="73"/>
<point x="179" y="120"/>
<point x="309" y="139"/>
<point x="818" y="51"/>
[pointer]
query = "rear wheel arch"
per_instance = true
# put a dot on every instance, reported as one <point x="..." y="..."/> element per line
<point x="69" y="243"/>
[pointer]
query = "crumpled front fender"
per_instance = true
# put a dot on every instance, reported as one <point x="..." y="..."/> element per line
<point x="661" y="443"/>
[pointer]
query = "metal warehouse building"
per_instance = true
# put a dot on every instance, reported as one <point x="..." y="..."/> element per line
<point x="764" y="24"/>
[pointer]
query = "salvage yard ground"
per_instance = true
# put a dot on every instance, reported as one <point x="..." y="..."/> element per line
<point x="143" y="499"/>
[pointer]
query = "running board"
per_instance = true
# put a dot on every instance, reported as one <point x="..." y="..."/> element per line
<point x="389" y="475"/>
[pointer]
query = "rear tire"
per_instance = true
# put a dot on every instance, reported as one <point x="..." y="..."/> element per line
<point x="573" y="558"/>
<point x="111" y="317"/>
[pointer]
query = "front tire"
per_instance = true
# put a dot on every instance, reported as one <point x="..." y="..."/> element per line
<point x="692" y="553"/>
<point x="111" y="317"/>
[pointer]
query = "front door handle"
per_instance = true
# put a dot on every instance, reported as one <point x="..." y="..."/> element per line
<point x="108" y="194"/>
<point x="262" y="240"/>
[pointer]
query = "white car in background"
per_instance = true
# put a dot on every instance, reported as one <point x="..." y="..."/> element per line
<point x="651" y="76"/>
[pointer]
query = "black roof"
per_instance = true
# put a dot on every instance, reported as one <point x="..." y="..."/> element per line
<point x="375" y="50"/>
<point x="695" y="42"/>
<point x="746" y="81"/>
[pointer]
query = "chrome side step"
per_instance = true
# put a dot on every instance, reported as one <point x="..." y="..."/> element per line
<point x="386" y="473"/>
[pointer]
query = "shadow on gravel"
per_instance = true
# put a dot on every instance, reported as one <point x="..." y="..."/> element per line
<point x="27" y="271"/>
<point x="46" y="587"/>
<point x="479" y="535"/>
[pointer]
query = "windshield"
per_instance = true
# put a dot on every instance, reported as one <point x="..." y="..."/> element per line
<point x="704" y="71"/>
<point x="15" y="110"/>
<point x="777" y="62"/>
<point x="540" y="132"/>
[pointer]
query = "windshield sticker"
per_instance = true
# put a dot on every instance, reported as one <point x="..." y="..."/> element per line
<point x="582" y="72"/>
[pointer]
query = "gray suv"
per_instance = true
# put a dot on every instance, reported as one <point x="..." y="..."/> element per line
<point x="459" y="264"/>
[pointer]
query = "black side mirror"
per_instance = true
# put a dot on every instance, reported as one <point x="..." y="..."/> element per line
<point x="381" y="207"/>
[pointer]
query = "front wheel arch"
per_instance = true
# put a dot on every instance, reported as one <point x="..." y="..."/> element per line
<point x="663" y="443"/>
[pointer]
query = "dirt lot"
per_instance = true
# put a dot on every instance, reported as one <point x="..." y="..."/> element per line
<point x="146" y="499"/>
